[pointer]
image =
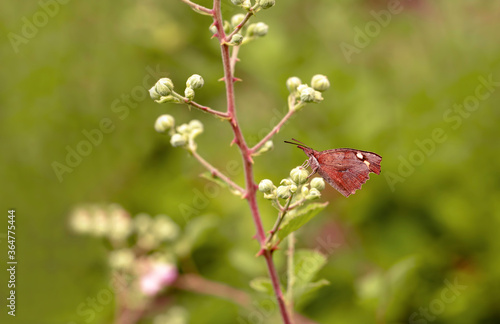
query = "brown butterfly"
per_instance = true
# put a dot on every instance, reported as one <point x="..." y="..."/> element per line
<point x="344" y="169"/>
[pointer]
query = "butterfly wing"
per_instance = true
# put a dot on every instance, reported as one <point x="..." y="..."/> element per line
<point x="347" y="169"/>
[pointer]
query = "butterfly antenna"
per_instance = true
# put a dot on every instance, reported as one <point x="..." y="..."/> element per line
<point x="297" y="142"/>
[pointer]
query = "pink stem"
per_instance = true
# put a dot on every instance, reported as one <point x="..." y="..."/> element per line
<point x="273" y="131"/>
<point x="251" y="187"/>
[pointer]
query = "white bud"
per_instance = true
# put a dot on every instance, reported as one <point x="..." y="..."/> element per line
<point x="164" y="87"/>
<point x="266" y="186"/>
<point x="283" y="192"/>
<point x="307" y="94"/>
<point x="195" y="128"/>
<point x="178" y="140"/>
<point x="153" y="94"/>
<point x="237" y="19"/>
<point x="163" y="123"/>
<point x="195" y="81"/>
<point x="183" y="129"/>
<point x="265" y="4"/>
<point x="293" y="83"/>
<point x="313" y="194"/>
<point x="189" y="93"/>
<point x="260" y="29"/>
<point x="320" y="82"/>
<point x="236" y="39"/>
<point x="299" y="175"/>
<point x="318" y="183"/>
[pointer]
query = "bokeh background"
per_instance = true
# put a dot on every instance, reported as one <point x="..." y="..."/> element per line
<point x="429" y="222"/>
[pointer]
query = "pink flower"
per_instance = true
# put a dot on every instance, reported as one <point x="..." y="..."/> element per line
<point x="158" y="276"/>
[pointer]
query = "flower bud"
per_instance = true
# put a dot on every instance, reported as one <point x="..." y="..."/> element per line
<point x="183" y="129"/>
<point x="195" y="81"/>
<point x="313" y="194"/>
<point x="227" y="27"/>
<point x="237" y="3"/>
<point x="121" y="259"/>
<point x="164" y="87"/>
<point x="236" y="39"/>
<point x="260" y="29"/>
<point x="320" y="82"/>
<point x="189" y="93"/>
<point x="304" y="191"/>
<point x="178" y="140"/>
<point x="266" y="186"/>
<point x="286" y="182"/>
<point x="153" y="94"/>
<point x="307" y="94"/>
<point x="283" y="192"/>
<point x="264" y="148"/>
<point x="165" y="229"/>
<point x="163" y="123"/>
<point x="213" y="29"/>
<point x="293" y="188"/>
<point x="270" y="196"/>
<point x="318" y="97"/>
<point x="318" y="183"/>
<point x="195" y="128"/>
<point x="299" y="175"/>
<point x="237" y="19"/>
<point x="265" y="4"/>
<point x="292" y="84"/>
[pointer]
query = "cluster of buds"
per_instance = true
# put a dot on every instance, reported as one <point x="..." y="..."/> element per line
<point x="163" y="90"/>
<point x="258" y="4"/>
<point x="250" y="32"/>
<point x="182" y="135"/>
<point x="302" y="93"/>
<point x="153" y="271"/>
<point x="295" y="184"/>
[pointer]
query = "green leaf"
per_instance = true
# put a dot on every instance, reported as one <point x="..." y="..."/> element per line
<point x="298" y="217"/>
<point x="209" y="176"/>
<point x="262" y="284"/>
<point x="307" y="263"/>
<point x="310" y="288"/>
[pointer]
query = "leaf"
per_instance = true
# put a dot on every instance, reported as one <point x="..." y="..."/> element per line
<point x="298" y="217"/>
<point x="310" y="288"/>
<point x="210" y="177"/>
<point x="307" y="263"/>
<point x="262" y="284"/>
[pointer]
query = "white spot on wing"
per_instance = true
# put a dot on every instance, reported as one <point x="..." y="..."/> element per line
<point x="360" y="156"/>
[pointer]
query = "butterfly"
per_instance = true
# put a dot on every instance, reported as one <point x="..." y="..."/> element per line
<point x="344" y="169"/>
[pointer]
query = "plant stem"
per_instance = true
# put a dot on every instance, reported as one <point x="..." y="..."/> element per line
<point x="217" y="173"/>
<point x="276" y="226"/>
<point x="273" y="131"/>
<point x="251" y="187"/>
<point x="290" y="270"/>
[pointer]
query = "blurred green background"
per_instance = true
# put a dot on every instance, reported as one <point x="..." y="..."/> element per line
<point x="411" y="85"/>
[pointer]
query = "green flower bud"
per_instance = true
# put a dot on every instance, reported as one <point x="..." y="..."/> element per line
<point x="195" y="128"/>
<point x="307" y="94"/>
<point x="246" y="4"/>
<point x="178" y="140"/>
<point x="320" y="82"/>
<point x="164" y="87"/>
<point x="237" y="2"/>
<point x="266" y="186"/>
<point x="313" y="194"/>
<point x="293" y="188"/>
<point x="318" y="183"/>
<point x="304" y="191"/>
<point x="260" y="29"/>
<point x="283" y="192"/>
<point x="153" y="94"/>
<point x="299" y="175"/>
<point x="293" y="83"/>
<point x="163" y="123"/>
<point x="265" y="4"/>
<point x="189" y="93"/>
<point x="236" y="39"/>
<point x="195" y="81"/>
<point x="164" y="228"/>
<point x="237" y="19"/>
<point x="121" y="259"/>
